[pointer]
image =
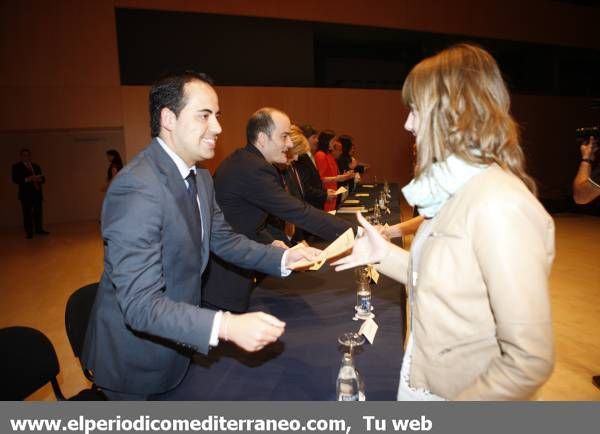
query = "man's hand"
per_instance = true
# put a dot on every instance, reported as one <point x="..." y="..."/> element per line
<point x="299" y="253"/>
<point x="331" y="194"/>
<point x="251" y="331"/>
<point x="280" y="244"/>
<point x="588" y="149"/>
<point x="369" y="248"/>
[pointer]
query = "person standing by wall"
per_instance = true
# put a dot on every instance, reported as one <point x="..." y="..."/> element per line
<point x="115" y="164"/>
<point x="28" y="176"/>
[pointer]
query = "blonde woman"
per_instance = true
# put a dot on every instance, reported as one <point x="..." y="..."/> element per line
<point x="477" y="273"/>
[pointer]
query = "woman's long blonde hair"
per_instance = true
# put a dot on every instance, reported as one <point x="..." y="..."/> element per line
<point x="300" y="143"/>
<point x="463" y="109"/>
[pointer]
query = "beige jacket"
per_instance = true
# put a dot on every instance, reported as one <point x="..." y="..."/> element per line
<point x="479" y="301"/>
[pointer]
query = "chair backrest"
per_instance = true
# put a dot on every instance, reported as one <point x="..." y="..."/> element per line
<point x="27" y="362"/>
<point x="77" y="315"/>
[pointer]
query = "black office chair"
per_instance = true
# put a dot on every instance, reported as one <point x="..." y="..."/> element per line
<point x="28" y="362"/>
<point x="77" y="316"/>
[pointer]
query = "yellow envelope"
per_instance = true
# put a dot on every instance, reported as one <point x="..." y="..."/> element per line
<point x="336" y="249"/>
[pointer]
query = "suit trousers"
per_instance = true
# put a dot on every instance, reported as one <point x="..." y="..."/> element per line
<point x="32" y="215"/>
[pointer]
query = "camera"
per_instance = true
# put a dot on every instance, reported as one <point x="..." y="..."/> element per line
<point x="583" y="135"/>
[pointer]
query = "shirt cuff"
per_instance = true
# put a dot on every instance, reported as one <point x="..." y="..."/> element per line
<point x="216" y="326"/>
<point x="284" y="270"/>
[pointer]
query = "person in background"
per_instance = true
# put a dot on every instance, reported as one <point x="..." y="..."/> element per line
<point x="327" y="166"/>
<point x="586" y="186"/>
<point x="314" y="192"/>
<point x="477" y="273"/>
<point x="347" y="161"/>
<point x="28" y="176"/>
<point x="115" y="164"/>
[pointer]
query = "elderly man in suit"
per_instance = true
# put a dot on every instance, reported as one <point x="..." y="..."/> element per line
<point x="248" y="190"/>
<point x="28" y="176"/>
<point x="159" y="222"/>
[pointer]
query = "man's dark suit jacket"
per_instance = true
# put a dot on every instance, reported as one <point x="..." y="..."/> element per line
<point x="314" y="193"/>
<point x="27" y="190"/>
<point x="146" y="317"/>
<point x="248" y="189"/>
<point x="276" y="226"/>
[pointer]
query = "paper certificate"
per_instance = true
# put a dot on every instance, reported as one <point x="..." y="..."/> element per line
<point x="351" y="209"/>
<point x="336" y="249"/>
<point x="341" y="190"/>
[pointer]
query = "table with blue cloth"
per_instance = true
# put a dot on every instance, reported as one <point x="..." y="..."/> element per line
<point x="317" y="307"/>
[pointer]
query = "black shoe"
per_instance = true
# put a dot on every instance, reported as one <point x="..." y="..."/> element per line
<point x="42" y="232"/>
<point x="596" y="381"/>
<point x="29" y="236"/>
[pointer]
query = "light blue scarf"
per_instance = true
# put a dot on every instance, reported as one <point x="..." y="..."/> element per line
<point x="430" y="192"/>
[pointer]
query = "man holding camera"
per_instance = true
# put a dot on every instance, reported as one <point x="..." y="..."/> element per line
<point x="586" y="186"/>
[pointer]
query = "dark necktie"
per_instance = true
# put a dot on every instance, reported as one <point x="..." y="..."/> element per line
<point x="193" y="193"/>
<point x="288" y="228"/>
<point x="295" y="173"/>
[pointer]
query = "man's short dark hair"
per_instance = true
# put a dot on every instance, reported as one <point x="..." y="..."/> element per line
<point x="260" y="122"/>
<point x="308" y="130"/>
<point x="169" y="92"/>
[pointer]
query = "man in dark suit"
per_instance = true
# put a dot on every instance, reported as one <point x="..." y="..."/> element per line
<point x="159" y="222"/>
<point x="248" y="189"/>
<point x="29" y="177"/>
<point x="314" y="193"/>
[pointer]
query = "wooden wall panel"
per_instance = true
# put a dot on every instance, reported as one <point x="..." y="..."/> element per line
<point x="375" y="119"/>
<point x="59" y="65"/>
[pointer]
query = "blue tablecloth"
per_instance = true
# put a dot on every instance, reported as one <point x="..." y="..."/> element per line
<point x="304" y="363"/>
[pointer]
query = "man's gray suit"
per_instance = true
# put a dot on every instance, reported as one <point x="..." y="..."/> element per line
<point x="146" y="319"/>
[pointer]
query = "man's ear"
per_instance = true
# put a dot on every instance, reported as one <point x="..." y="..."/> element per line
<point x="167" y="119"/>
<point x="260" y="140"/>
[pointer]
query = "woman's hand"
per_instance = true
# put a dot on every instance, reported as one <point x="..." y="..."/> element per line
<point x="368" y="248"/>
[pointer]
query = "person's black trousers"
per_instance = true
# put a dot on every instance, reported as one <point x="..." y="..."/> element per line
<point x="32" y="216"/>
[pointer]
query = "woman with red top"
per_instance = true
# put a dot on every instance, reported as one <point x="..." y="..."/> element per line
<point x="328" y="168"/>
